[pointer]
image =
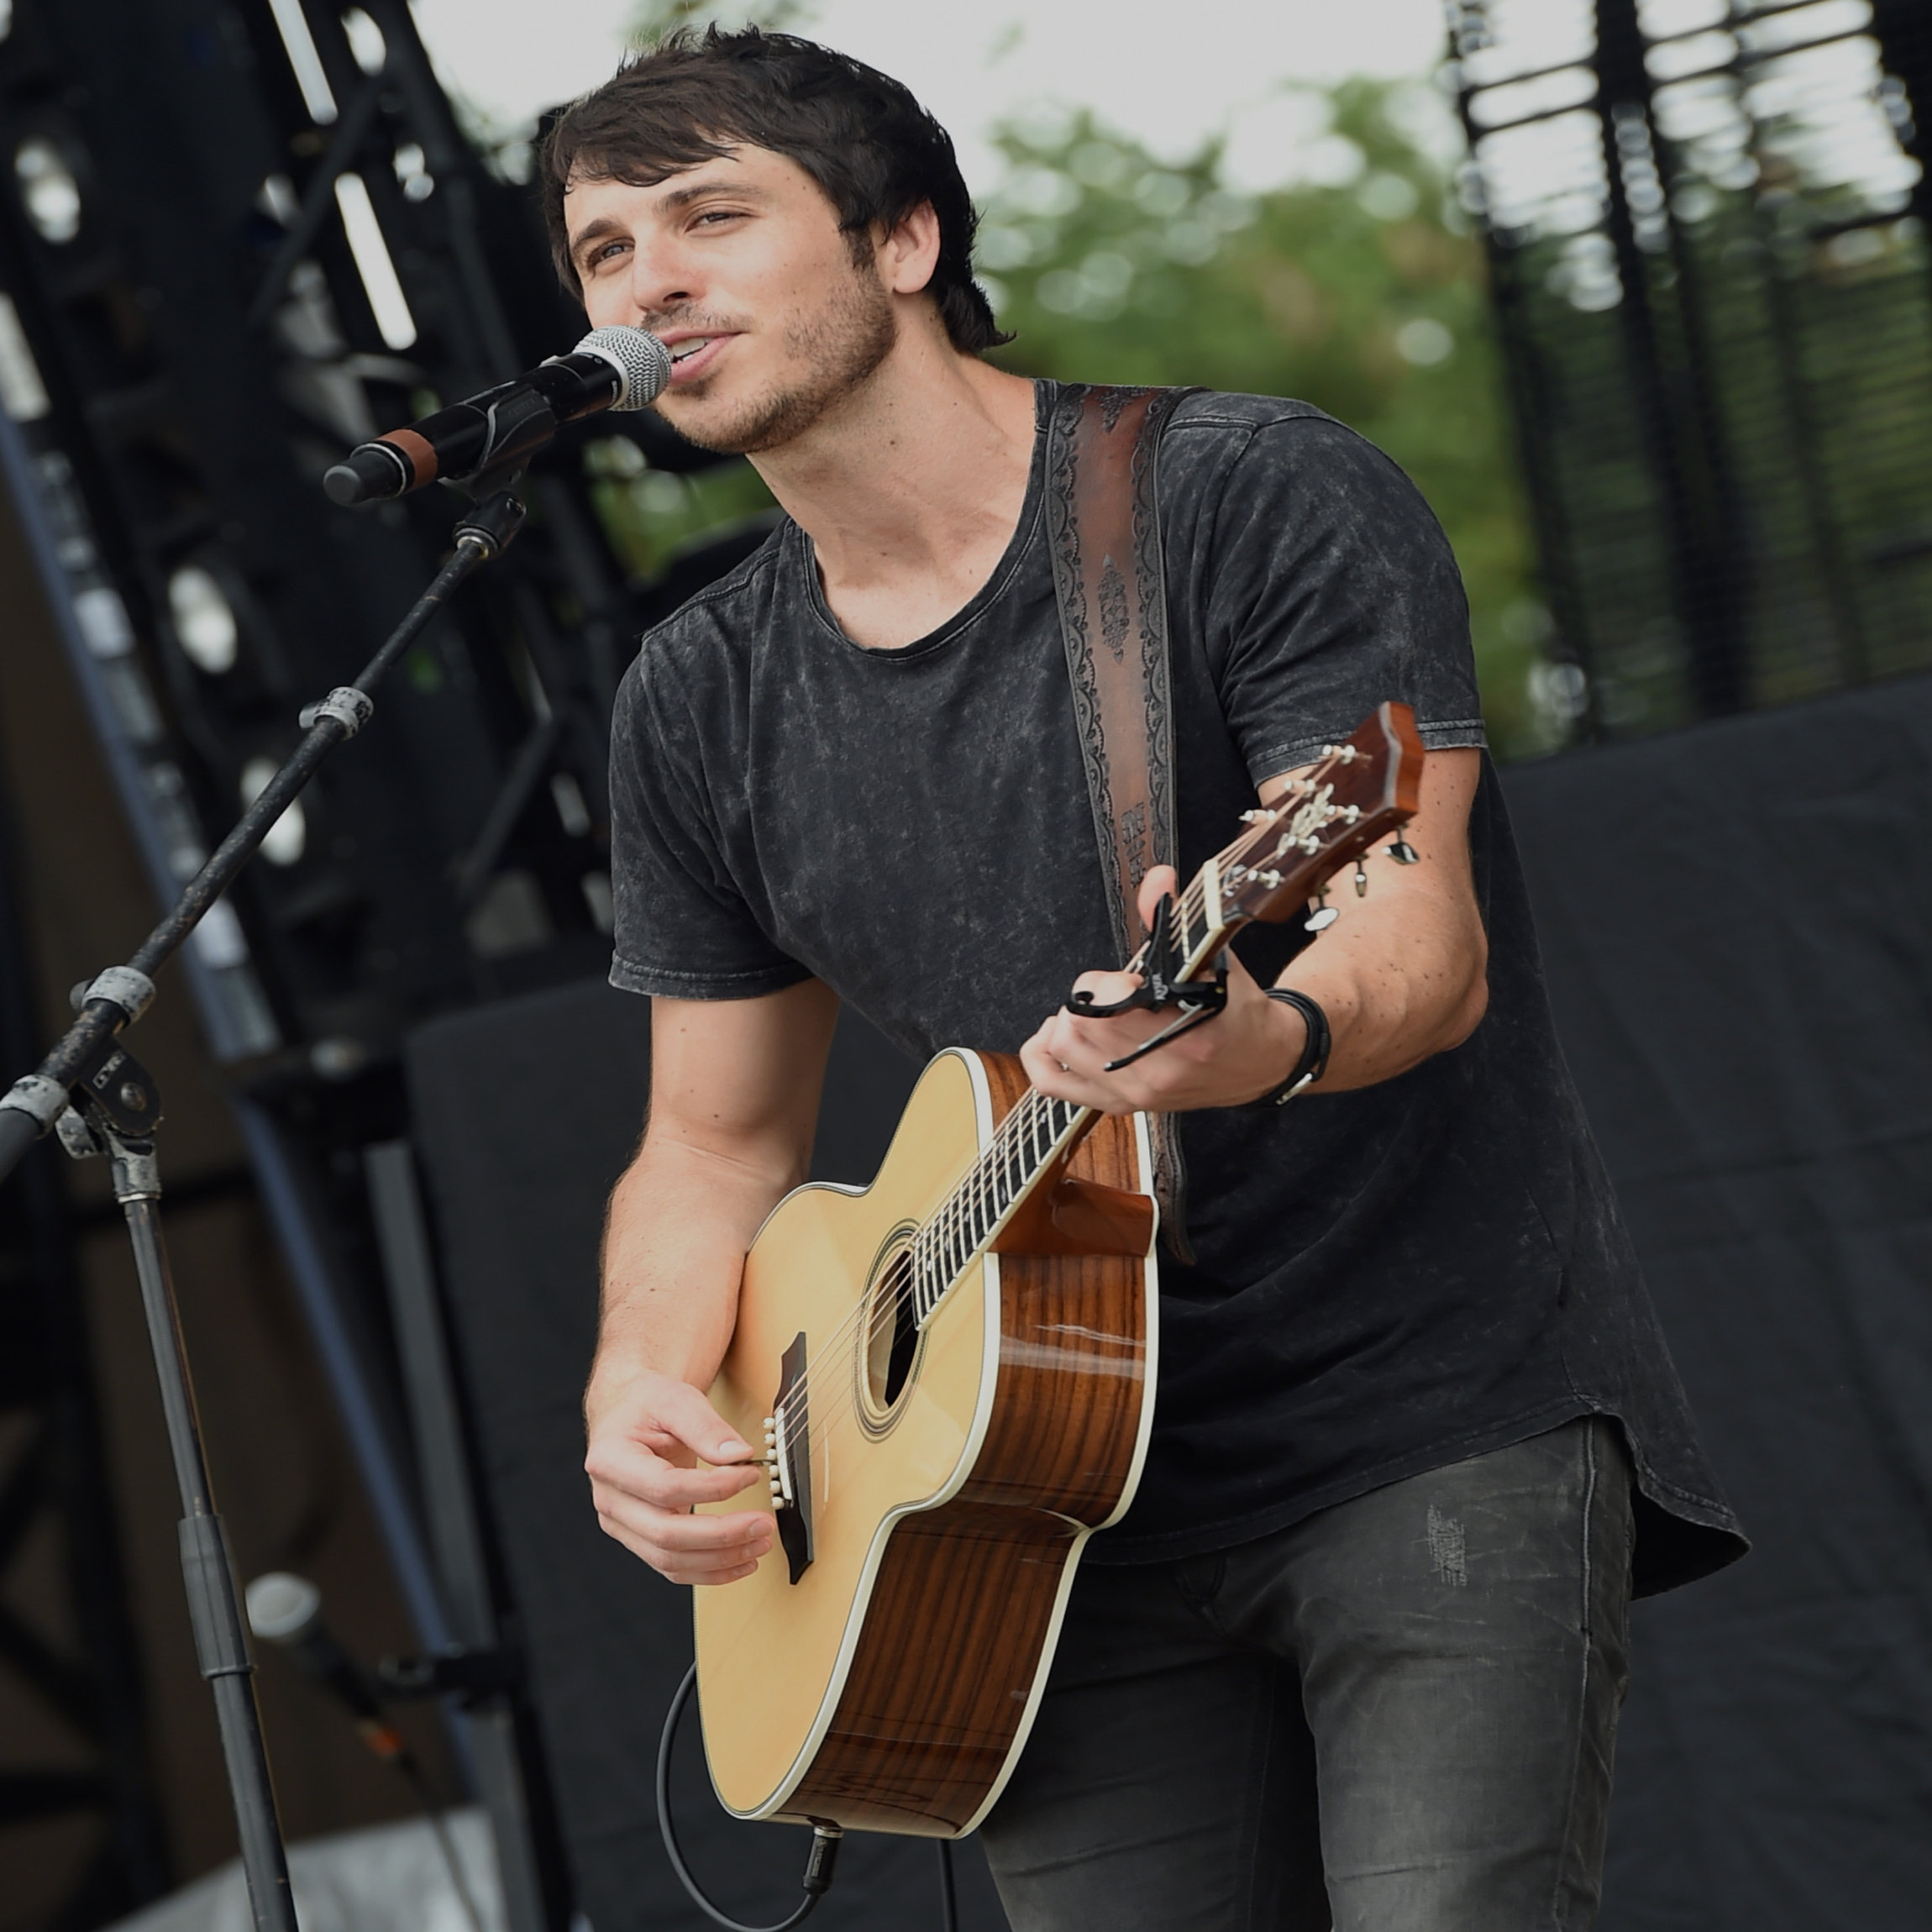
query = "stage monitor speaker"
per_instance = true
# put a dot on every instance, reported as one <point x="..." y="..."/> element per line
<point x="526" y="1112"/>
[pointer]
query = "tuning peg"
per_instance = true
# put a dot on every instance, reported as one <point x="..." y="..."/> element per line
<point x="1257" y="817"/>
<point x="1403" y="852"/>
<point x="1361" y="881"/>
<point x="1323" y="917"/>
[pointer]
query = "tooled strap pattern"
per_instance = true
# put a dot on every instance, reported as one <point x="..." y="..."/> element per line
<point x="1102" y="514"/>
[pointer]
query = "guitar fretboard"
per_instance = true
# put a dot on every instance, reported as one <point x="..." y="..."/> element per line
<point x="1028" y="1140"/>
<point x="1292" y="835"/>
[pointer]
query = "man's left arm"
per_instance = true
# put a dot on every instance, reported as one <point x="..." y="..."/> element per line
<point x="1401" y="976"/>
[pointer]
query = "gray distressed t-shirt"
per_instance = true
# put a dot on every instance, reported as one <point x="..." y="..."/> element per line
<point x="1386" y="1280"/>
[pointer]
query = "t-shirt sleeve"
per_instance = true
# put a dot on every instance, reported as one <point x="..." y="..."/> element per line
<point x="681" y="928"/>
<point x="1331" y="588"/>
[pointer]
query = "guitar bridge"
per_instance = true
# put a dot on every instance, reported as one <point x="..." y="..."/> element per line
<point x="788" y="1459"/>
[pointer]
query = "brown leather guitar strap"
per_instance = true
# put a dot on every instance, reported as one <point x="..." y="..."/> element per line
<point x="1103" y="527"/>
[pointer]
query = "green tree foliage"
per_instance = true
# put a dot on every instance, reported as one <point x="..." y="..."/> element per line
<point x="1366" y="299"/>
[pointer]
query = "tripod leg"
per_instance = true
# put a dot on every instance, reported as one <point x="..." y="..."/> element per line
<point x="213" y="1607"/>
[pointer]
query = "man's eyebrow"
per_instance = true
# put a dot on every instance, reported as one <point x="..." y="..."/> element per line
<point x="683" y="197"/>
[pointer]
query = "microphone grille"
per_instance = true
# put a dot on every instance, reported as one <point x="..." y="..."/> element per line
<point x="644" y="362"/>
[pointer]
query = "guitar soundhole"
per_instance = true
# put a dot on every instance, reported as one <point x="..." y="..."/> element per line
<point x="892" y="1338"/>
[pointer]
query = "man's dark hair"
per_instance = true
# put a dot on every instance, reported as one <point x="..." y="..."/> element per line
<point x="873" y="149"/>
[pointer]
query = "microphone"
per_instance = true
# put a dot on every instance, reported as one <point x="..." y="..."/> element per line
<point x="614" y="368"/>
<point x="286" y="1611"/>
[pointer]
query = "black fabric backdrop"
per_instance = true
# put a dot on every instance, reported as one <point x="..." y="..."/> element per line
<point x="1738" y="931"/>
<point x="1738" y="928"/>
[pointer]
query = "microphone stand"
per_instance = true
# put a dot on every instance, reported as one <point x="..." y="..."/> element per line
<point x="101" y="1101"/>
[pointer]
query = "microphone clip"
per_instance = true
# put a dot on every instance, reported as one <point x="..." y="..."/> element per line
<point x="497" y="515"/>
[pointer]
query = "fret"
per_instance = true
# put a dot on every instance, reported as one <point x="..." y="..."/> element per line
<point x="963" y="1223"/>
<point x="1222" y="897"/>
<point x="1025" y="1143"/>
<point x="1006" y="1177"/>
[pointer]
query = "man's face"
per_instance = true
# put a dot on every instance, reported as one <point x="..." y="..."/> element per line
<point x="738" y="265"/>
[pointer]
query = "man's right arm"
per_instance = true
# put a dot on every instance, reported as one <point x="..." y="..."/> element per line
<point x="734" y="1102"/>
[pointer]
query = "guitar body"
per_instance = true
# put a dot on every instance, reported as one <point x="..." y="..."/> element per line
<point x="954" y="1472"/>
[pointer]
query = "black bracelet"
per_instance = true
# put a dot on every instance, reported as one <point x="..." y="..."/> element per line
<point x="1313" y="1061"/>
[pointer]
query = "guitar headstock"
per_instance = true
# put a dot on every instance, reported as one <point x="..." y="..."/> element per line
<point x="1360" y="792"/>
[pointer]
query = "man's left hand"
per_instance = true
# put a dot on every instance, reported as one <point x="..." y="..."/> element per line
<point x="1401" y="976"/>
<point x="1235" y="1058"/>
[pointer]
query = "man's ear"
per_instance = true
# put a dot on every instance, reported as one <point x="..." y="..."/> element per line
<point x="910" y="252"/>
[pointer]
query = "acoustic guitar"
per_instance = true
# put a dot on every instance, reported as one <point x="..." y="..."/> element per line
<point x="952" y="1371"/>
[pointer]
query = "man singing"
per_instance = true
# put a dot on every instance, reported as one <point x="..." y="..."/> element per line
<point x="1356" y="1655"/>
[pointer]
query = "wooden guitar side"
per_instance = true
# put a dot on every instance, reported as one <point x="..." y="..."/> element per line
<point x="892" y="1687"/>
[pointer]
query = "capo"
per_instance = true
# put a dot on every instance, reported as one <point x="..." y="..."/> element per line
<point x="1161" y="989"/>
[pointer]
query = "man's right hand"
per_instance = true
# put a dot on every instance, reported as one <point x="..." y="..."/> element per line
<point x="646" y="1437"/>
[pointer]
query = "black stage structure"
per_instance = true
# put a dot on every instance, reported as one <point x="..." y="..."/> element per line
<point x="237" y="239"/>
<point x="241" y="234"/>
<point x="1706" y="224"/>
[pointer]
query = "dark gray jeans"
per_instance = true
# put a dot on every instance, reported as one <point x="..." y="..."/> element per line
<point x="1397" y="1716"/>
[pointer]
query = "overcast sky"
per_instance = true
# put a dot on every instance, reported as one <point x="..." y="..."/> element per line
<point x="1169" y="74"/>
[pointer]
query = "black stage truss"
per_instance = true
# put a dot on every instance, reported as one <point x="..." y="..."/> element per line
<point x="1706" y="227"/>
<point x="241" y="236"/>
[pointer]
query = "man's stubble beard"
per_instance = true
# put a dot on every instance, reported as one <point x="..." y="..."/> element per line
<point x="837" y="350"/>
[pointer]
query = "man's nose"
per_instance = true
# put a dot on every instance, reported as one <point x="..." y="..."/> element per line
<point x="661" y="284"/>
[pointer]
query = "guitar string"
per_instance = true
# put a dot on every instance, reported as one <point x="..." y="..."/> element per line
<point x="940" y="1231"/>
<point x="831" y="1358"/>
<point x="826" y="1425"/>
<point x="827" y="1415"/>
<point x="973" y="1190"/>
<point x="1015" y="1134"/>
<point x="954" y="1212"/>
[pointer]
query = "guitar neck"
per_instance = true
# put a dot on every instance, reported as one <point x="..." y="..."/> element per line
<point x="1032" y="1145"/>
<point x="1330" y="815"/>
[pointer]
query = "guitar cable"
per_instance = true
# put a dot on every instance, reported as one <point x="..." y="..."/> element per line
<point x="819" y="1860"/>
